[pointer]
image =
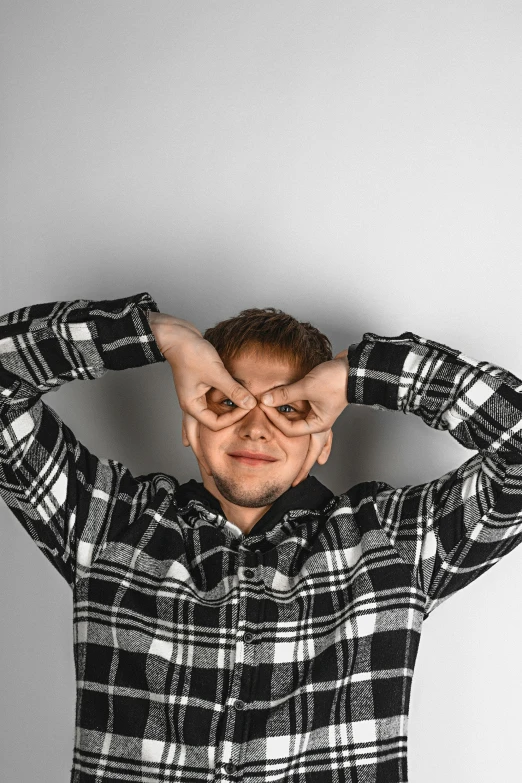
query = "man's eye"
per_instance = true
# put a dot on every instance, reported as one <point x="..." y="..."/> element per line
<point x="292" y="410"/>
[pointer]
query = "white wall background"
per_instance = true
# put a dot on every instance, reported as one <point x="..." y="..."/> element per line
<point x="357" y="164"/>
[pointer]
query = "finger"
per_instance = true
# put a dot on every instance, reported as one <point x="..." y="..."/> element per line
<point x="192" y="431"/>
<point x="315" y="448"/>
<point x="184" y="431"/>
<point x="303" y="473"/>
<point x="214" y="421"/>
<point x="282" y="395"/>
<point x="223" y="381"/>
<point x="293" y="429"/>
<point x="189" y="430"/>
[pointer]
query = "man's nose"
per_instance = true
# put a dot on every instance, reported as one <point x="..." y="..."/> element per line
<point x="256" y="410"/>
<point x="256" y="413"/>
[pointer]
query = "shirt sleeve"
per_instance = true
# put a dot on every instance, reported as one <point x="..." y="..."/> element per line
<point x="450" y="530"/>
<point x="67" y="499"/>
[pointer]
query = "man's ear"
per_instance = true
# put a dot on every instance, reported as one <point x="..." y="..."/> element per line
<point x="325" y="453"/>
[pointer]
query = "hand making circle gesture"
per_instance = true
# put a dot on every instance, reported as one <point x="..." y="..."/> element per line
<point x="325" y="389"/>
<point x="196" y="368"/>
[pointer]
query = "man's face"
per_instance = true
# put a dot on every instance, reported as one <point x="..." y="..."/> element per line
<point x="253" y="486"/>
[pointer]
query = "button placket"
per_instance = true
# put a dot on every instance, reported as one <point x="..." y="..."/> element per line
<point x="239" y="704"/>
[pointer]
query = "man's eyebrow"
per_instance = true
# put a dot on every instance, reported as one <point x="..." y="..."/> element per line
<point x="239" y="380"/>
<point x="243" y="383"/>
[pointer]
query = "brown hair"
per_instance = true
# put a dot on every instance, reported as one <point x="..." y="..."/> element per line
<point x="270" y="332"/>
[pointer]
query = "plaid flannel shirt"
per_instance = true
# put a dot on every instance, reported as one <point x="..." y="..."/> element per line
<point x="286" y="654"/>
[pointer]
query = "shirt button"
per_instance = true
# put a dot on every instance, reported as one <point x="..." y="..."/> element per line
<point x="249" y="573"/>
<point x="230" y="767"/>
<point x="239" y="705"/>
<point x="248" y="636"/>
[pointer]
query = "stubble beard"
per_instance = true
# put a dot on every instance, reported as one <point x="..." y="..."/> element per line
<point x="256" y="496"/>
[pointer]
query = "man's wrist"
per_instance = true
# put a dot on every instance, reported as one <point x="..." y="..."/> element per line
<point x="172" y="335"/>
<point x="168" y="329"/>
<point x="342" y="356"/>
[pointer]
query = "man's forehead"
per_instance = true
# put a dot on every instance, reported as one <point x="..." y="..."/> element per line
<point x="268" y="372"/>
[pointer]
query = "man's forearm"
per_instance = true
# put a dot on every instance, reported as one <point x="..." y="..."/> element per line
<point x="478" y="403"/>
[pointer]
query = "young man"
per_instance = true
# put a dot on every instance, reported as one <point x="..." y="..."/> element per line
<point x="252" y="626"/>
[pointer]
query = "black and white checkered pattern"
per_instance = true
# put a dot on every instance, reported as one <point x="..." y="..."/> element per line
<point x="203" y="654"/>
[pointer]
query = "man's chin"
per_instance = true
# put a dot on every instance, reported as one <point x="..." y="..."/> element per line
<point x="256" y="495"/>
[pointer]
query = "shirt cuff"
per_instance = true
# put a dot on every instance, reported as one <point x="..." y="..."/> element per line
<point x="123" y="334"/>
<point x="375" y="371"/>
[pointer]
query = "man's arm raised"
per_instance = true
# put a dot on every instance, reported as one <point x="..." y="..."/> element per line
<point x="450" y="530"/>
<point x="68" y="500"/>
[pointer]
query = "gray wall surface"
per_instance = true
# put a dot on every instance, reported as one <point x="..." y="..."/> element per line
<point x="357" y="164"/>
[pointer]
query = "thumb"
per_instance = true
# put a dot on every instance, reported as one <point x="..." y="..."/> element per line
<point x="284" y="394"/>
<point x="234" y="390"/>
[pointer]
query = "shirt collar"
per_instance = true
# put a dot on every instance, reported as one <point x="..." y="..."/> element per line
<point x="308" y="494"/>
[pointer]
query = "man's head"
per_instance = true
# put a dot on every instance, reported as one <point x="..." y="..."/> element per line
<point x="260" y="348"/>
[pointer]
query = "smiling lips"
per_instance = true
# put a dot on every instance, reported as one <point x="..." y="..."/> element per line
<point x="252" y="457"/>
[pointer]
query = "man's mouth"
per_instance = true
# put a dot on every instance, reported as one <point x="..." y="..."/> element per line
<point x="249" y="459"/>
